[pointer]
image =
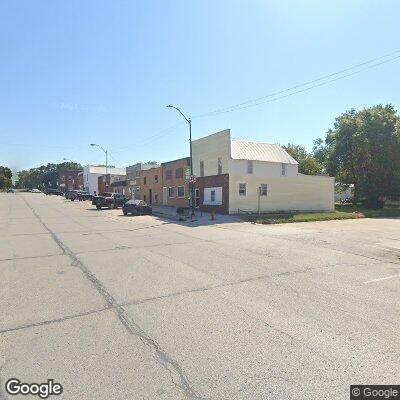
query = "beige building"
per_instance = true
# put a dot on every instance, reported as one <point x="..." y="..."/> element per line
<point x="261" y="177"/>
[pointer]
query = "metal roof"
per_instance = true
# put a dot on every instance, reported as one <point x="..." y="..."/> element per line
<point x="243" y="150"/>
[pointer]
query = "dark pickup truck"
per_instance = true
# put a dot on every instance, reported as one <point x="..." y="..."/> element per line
<point x="109" y="200"/>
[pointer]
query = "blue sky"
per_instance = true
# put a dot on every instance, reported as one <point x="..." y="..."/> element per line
<point x="80" y="71"/>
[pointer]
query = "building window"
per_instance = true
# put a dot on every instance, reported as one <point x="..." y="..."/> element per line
<point x="242" y="189"/>
<point x="201" y="168"/>
<point x="168" y="174"/>
<point x="156" y="198"/>
<point x="263" y="189"/>
<point x="138" y="173"/>
<point x="179" y="173"/>
<point x="219" y="165"/>
<point x="155" y="178"/>
<point x="171" y="191"/>
<point x="181" y="191"/>
<point x="250" y="167"/>
<point x="144" y="181"/>
<point x="212" y="196"/>
<point x="283" y="169"/>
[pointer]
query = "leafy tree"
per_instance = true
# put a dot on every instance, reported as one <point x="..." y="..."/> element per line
<point x="364" y="148"/>
<point x="44" y="176"/>
<point x="5" y="177"/>
<point x="308" y="164"/>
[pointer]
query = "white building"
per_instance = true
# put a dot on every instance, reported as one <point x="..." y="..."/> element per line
<point x="236" y="175"/>
<point x="92" y="173"/>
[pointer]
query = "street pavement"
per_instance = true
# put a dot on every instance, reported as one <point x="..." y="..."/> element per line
<point x="115" y="307"/>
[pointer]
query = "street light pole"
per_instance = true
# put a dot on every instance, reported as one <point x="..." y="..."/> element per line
<point x="191" y="183"/>
<point x="106" y="153"/>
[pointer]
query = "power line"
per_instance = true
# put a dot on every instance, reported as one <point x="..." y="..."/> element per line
<point x="325" y="79"/>
<point x="150" y="139"/>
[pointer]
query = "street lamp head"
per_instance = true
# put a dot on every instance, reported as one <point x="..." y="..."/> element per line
<point x="169" y="106"/>
<point x="93" y="144"/>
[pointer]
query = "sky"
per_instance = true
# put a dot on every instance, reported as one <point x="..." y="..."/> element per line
<point x="75" y="72"/>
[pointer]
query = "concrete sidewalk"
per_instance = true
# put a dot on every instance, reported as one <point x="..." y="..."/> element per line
<point x="201" y="217"/>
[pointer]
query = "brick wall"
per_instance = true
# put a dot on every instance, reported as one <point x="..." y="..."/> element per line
<point x="214" y="181"/>
<point x="68" y="179"/>
<point x="174" y="183"/>
<point x="151" y="186"/>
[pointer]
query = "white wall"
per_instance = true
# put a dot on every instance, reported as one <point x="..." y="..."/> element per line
<point x="263" y="169"/>
<point x="209" y="149"/>
<point x="299" y="193"/>
<point x="92" y="173"/>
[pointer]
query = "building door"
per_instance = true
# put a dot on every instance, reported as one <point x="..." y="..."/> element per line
<point x="150" y="197"/>
<point x="165" y="195"/>
<point x="197" y="197"/>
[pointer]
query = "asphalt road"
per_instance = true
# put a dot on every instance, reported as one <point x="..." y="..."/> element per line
<point x="117" y="307"/>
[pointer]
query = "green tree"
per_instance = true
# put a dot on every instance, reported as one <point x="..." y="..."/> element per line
<point x="5" y="177"/>
<point x="44" y="176"/>
<point x="308" y="164"/>
<point x="364" y="148"/>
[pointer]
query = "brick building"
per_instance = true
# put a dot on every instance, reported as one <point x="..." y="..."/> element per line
<point x="175" y="186"/>
<point x="68" y="179"/>
<point x="105" y="182"/>
<point x="134" y="177"/>
<point x="151" y="185"/>
<point x="212" y="193"/>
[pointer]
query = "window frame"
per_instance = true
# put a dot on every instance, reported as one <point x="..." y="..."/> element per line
<point x="250" y="167"/>
<point x="173" y="188"/>
<point x="262" y="187"/>
<point x="201" y="168"/>
<point x="219" y="166"/>
<point x="240" y="189"/>
<point x="179" y="173"/>
<point x="177" y="192"/>
<point x="283" y="169"/>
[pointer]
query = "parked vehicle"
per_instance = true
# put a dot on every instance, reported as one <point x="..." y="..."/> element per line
<point x="10" y="190"/>
<point x="71" y="194"/>
<point x="82" y="195"/>
<point x="109" y="200"/>
<point x="56" y="192"/>
<point x="35" y="191"/>
<point x="136" y="207"/>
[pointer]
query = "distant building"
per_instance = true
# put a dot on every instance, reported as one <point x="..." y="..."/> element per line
<point x="68" y="179"/>
<point x="236" y="176"/>
<point x="91" y="174"/>
<point x="110" y="182"/>
<point x="134" y="177"/>
<point x="175" y="186"/>
<point x="151" y="186"/>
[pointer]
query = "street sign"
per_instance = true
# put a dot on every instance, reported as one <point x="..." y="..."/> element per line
<point x="187" y="173"/>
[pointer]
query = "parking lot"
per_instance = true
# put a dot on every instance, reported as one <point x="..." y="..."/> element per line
<point x="116" y="307"/>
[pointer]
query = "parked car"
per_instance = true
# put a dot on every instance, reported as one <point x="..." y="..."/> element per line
<point x="136" y="207"/>
<point x="56" y="192"/>
<point x="35" y="191"/>
<point x="82" y="195"/>
<point x="109" y="200"/>
<point x="10" y="190"/>
<point x="71" y="194"/>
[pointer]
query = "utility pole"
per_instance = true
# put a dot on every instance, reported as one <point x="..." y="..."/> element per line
<point x="106" y="153"/>
<point x="191" y="180"/>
